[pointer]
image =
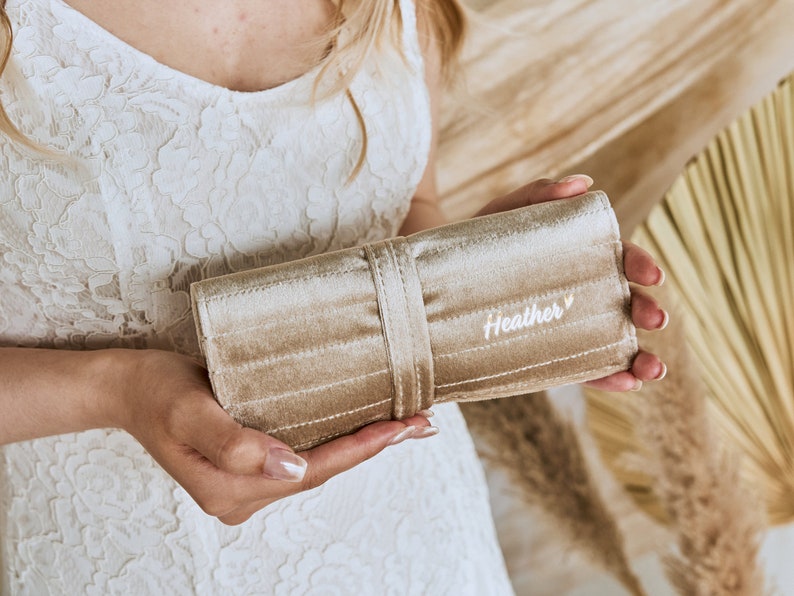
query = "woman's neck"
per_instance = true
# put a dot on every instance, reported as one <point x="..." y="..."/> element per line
<point x="245" y="45"/>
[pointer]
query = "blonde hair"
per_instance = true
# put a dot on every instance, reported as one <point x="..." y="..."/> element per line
<point x="364" y="25"/>
<point x="359" y="27"/>
<point x="370" y="24"/>
<point x="6" y="38"/>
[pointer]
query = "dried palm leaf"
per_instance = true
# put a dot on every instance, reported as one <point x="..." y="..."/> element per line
<point x="724" y="234"/>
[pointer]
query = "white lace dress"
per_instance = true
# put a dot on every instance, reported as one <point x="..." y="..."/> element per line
<point x="171" y="180"/>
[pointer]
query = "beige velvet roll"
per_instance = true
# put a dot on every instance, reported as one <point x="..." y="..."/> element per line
<point x="489" y="307"/>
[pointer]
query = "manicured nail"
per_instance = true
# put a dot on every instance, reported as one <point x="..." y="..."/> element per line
<point x="662" y="374"/>
<point x="426" y="413"/>
<point x="665" y="320"/>
<point x="637" y="385"/>
<point x="426" y="431"/>
<point x="662" y="276"/>
<point x="405" y="433"/>
<point x="284" y="465"/>
<point x="587" y="179"/>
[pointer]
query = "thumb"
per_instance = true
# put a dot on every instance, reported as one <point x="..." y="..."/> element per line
<point x="236" y="449"/>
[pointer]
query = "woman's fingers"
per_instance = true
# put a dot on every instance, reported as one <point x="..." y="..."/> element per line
<point x="344" y="453"/>
<point x="646" y="313"/>
<point x="229" y="470"/>
<point x="544" y="190"/>
<point x="621" y="381"/>
<point x="234" y="471"/>
<point x="640" y="267"/>
<point x="646" y="367"/>
<point x="540" y="191"/>
<point x="570" y="186"/>
<point x="340" y="455"/>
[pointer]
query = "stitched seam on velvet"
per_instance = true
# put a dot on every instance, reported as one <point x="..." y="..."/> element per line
<point x="486" y="309"/>
<point x="385" y="318"/>
<point x="398" y="378"/>
<point x="547" y="382"/>
<point x="312" y="442"/>
<point x="331" y="417"/>
<point x="524" y="230"/>
<point x="460" y="281"/>
<point x="269" y="360"/>
<point x="435" y="251"/>
<point x="533" y="332"/>
<point x="284" y="282"/>
<point x="216" y="384"/>
<point x="417" y="380"/>
<point x="521" y="232"/>
<point x="300" y="391"/>
<point x="333" y="436"/>
<point x="301" y="316"/>
<point x="628" y="325"/>
<point x="531" y="366"/>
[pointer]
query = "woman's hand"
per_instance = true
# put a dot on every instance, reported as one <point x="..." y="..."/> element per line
<point x="164" y="400"/>
<point x="640" y="268"/>
<point x="230" y="471"/>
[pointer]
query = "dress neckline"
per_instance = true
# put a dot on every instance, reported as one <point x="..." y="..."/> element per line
<point x="84" y="23"/>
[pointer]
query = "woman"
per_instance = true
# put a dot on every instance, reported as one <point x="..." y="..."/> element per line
<point x="203" y="140"/>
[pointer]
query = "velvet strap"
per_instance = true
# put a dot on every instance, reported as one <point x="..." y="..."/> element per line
<point x="405" y="333"/>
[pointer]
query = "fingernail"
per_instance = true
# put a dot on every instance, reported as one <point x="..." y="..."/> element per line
<point x="426" y="413"/>
<point x="665" y="320"/>
<point x="662" y="374"/>
<point x="662" y="276"/>
<point x="425" y="431"/>
<point x="284" y="465"/>
<point x="637" y="385"/>
<point x="405" y="433"/>
<point x="587" y="179"/>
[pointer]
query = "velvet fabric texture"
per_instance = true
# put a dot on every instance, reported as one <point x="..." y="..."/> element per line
<point x="489" y="307"/>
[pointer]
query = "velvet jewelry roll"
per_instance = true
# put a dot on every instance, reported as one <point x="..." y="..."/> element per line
<point x="485" y="308"/>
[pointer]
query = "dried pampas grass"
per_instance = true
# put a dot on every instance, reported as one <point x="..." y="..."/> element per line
<point x="539" y="450"/>
<point x="716" y="519"/>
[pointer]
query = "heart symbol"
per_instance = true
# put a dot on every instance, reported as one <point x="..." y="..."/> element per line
<point x="568" y="300"/>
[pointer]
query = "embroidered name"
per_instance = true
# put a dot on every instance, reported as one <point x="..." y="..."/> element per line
<point x="535" y="315"/>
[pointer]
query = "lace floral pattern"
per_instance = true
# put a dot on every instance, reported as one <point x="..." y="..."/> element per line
<point x="170" y="180"/>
